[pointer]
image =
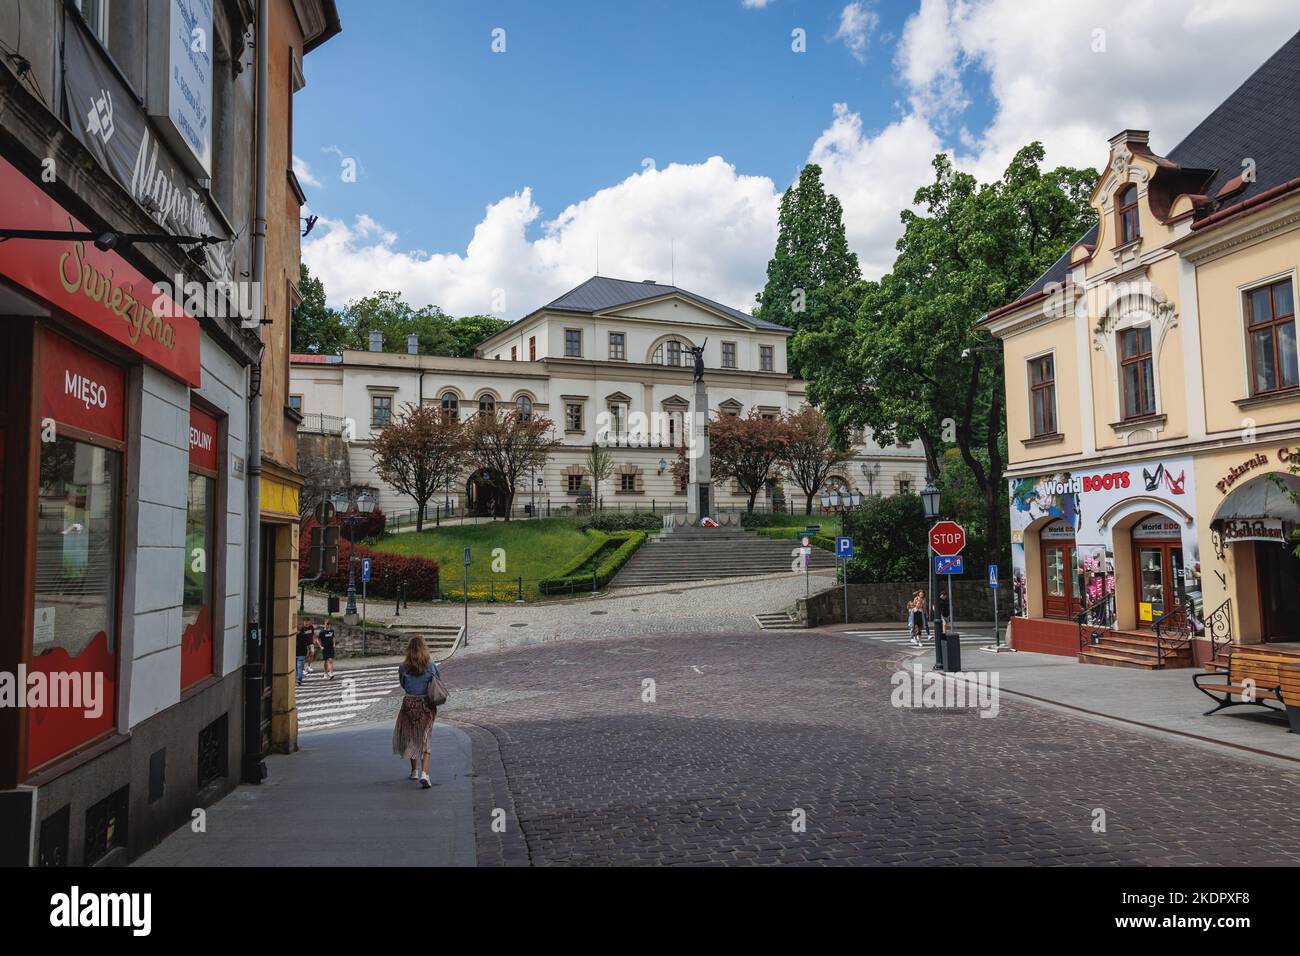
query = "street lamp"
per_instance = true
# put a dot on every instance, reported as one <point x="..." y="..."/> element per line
<point x="364" y="505"/>
<point x="930" y="500"/>
<point x="871" y="473"/>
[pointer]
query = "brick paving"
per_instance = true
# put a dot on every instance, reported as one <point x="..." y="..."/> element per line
<point x="747" y="728"/>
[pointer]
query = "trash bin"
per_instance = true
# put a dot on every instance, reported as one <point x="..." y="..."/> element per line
<point x="332" y="603"/>
<point x="951" y="652"/>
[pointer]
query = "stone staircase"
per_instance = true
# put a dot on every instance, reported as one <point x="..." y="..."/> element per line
<point x="688" y="554"/>
<point x="1134" y="649"/>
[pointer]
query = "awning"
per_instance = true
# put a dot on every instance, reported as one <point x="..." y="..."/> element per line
<point x="1264" y="496"/>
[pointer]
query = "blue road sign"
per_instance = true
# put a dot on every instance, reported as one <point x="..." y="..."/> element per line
<point x="993" y="576"/>
<point x="365" y="570"/>
<point x="467" y="557"/>
<point x="843" y="547"/>
<point x="946" y="565"/>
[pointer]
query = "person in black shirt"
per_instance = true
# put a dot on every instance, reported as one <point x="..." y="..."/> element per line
<point x="325" y="635"/>
<point x="306" y="639"/>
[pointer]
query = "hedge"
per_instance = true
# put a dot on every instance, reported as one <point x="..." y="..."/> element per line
<point x="816" y="540"/>
<point x="624" y="521"/>
<point x="388" y="572"/>
<point x="568" y="581"/>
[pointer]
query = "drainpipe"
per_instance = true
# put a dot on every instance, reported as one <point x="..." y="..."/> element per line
<point x="254" y="768"/>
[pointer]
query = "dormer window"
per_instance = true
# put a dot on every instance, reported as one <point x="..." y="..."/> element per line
<point x="1127" y="211"/>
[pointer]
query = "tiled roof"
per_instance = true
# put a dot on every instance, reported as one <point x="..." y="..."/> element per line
<point x="601" y="292"/>
<point x="1259" y="121"/>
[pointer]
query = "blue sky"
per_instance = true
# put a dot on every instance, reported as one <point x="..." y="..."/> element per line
<point x="486" y="181"/>
<point x="584" y="92"/>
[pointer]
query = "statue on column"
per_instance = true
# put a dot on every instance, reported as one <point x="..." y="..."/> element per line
<point x="698" y="352"/>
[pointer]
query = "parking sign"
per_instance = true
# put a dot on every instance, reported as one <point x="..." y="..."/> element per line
<point x="365" y="570"/>
<point x="843" y="547"/>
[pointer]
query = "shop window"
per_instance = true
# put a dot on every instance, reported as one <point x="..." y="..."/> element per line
<point x="381" y="410"/>
<point x="1127" y="213"/>
<point x="1042" y="395"/>
<point x="765" y="355"/>
<point x="617" y="346"/>
<point x="200" y="551"/>
<point x="573" y="343"/>
<point x="1137" y="379"/>
<point x="728" y="354"/>
<point x="1270" y="315"/>
<point x="78" y="540"/>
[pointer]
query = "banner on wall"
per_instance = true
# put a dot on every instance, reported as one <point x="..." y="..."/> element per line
<point x="1078" y="499"/>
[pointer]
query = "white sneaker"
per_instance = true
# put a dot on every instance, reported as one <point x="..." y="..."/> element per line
<point x="413" y="775"/>
<point x="424" y="781"/>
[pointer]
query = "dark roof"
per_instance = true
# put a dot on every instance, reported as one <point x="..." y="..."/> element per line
<point x="1259" y="121"/>
<point x="601" y="292"/>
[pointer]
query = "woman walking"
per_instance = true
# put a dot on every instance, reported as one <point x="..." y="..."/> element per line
<point x="916" y="616"/>
<point x="414" y="728"/>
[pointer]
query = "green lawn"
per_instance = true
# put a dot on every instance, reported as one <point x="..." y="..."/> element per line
<point x="830" y="524"/>
<point x="533" y="548"/>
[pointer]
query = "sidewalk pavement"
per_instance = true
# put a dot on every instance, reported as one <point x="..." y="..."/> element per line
<point x="1161" y="703"/>
<point x="343" y="799"/>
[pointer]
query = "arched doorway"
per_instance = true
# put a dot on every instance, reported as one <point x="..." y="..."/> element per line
<point x="485" y="495"/>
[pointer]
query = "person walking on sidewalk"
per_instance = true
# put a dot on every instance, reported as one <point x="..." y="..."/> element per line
<point x="325" y="637"/>
<point x="306" y="638"/>
<point x="943" y="612"/>
<point x="916" y="617"/>
<point x="413" y="731"/>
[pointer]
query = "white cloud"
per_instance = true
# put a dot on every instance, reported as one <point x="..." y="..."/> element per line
<point x="754" y="4"/>
<point x="857" y="23"/>
<point x="1158" y="71"/>
<point x="722" y="225"/>
<point x="304" y="173"/>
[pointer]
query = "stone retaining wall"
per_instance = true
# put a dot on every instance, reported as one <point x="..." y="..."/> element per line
<point x="886" y="603"/>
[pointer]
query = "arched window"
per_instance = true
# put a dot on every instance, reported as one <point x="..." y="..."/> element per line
<point x="524" y="406"/>
<point x="668" y="353"/>
<point x="1127" y="210"/>
<point x="450" y="405"/>
<point x="486" y="404"/>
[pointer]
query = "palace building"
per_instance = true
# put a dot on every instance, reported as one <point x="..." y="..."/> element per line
<point x="607" y="362"/>
<point x="1153" y="398"/>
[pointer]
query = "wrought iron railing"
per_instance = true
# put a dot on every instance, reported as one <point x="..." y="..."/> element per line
<point x="1173" y="632"/>
<point x="1098" y="615"/>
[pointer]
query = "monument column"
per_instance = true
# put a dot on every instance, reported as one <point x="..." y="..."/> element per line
<point x="700" y="484"/>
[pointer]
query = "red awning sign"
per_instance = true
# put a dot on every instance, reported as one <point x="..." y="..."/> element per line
<point x="101" y="289"/>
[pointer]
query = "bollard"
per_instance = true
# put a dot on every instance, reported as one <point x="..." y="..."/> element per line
<point x="521" y="587"/>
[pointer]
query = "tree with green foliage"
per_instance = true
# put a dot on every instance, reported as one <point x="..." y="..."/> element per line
<point x="316" y="328"/>
<point x="419" y="452"/>
<point x="910" y="363"/>
<point x="600" y="465"/>
<point x="469" y="330"/>
<point x="812" y="265"/>
<point x="889" y="540"/>
<point x="811" y="452"/>
<point x="395" y="319"/>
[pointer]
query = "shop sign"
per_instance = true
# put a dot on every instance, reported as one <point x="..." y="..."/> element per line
<point x="101" y="289"/>
<point x="1250" y="464"/>
<point x="1157" y="528"/>
<point x="81" y="389"/>
<point x="1057" y="531"/>
<point x="1253" y="529"/>
<point x="180" y="89"/>
<point x="203" y="440"/>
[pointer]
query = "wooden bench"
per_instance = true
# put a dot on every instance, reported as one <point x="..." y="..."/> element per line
<point x="1254" y="676"/>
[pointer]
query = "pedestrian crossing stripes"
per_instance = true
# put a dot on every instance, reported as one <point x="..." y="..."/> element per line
<point x="326" y="703"/>
<point x="904" y="637"/>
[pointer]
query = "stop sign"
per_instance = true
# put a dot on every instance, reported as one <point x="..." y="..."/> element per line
<point x="947" y="538"/>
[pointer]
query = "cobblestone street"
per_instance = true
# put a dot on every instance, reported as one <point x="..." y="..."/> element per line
<point x="747" y="730"/>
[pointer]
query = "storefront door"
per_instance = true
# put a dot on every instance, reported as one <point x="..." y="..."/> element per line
<point x="1061" y="588"/>
<point x="1278" y="572"/>
<point x="1160" y="577"/>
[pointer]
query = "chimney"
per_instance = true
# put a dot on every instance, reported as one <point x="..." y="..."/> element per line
<point x="376" y="341"/>
<point x="413" y="344"/>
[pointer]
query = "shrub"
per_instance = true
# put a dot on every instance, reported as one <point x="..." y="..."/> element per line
<point x="624" y="521"/>
<point x="889" y="540"/>
<point x="388" y="572"/>
<point x="569" y="580"/>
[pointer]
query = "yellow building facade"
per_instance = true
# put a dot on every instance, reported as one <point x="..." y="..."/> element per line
<point x="1153" y="400"/>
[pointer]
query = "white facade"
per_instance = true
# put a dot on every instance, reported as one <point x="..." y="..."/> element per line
<point x="620" y="389"/>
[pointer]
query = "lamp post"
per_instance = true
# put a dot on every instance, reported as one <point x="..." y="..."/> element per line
<point x="364" y="505"/>
<point x="930" y="502"/>
<point x="871" y="473"/>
